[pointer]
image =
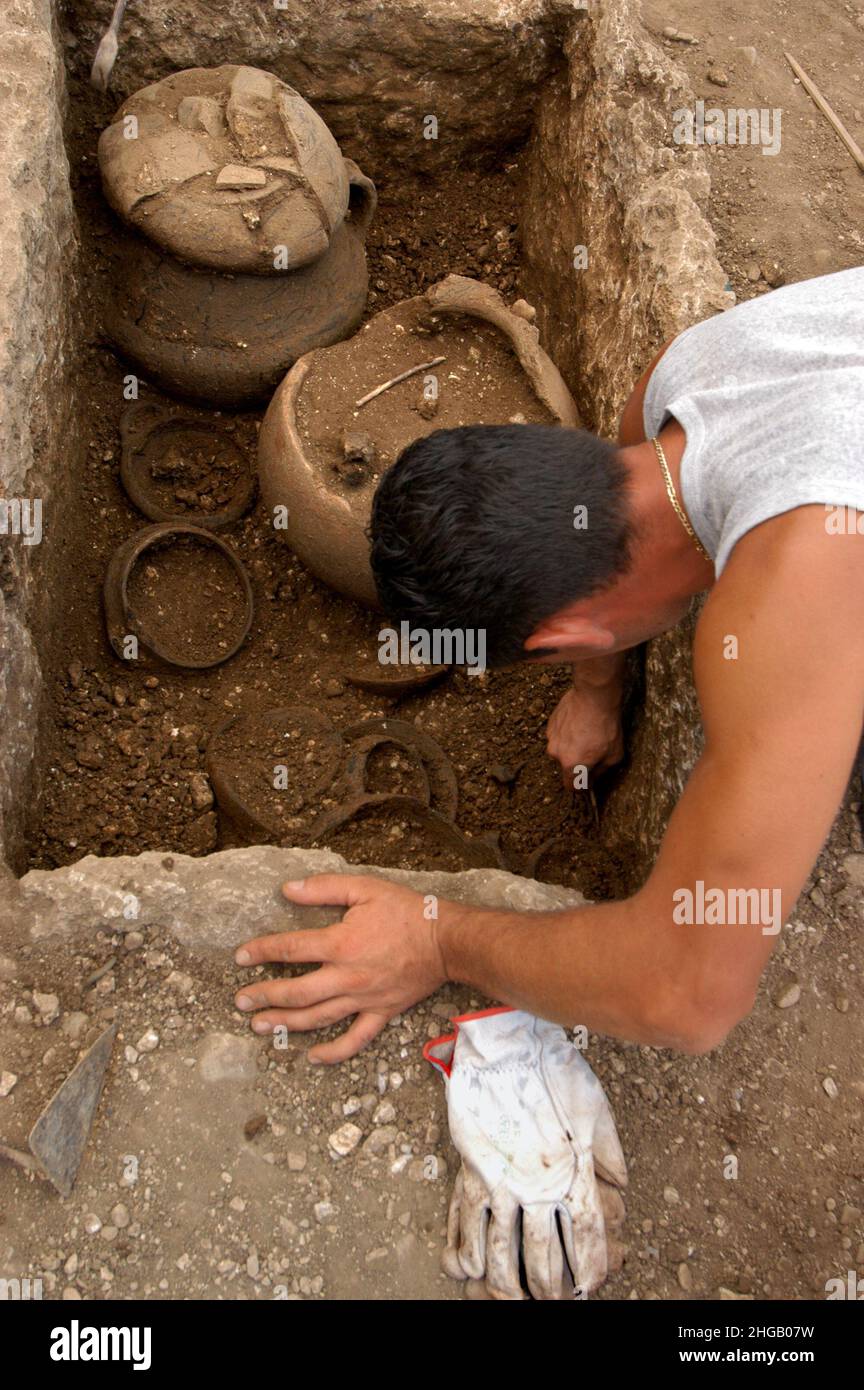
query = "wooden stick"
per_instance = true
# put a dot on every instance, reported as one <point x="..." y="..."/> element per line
<point x="830" y="115"/>
<point x="394" y="380"/>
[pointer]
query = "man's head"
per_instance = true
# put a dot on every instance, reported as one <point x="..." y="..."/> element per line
<point x="505" y="528"/>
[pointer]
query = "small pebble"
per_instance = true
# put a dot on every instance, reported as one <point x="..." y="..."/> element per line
<point x="200" y="792"/>
<point x="523" y="310"/>
<point x="774" y="274"/>
<point x="345" y="1139"/>
<point x="788" y="995"/>
<point x="254" y="1126"/>
<point x="47" y="1006"/>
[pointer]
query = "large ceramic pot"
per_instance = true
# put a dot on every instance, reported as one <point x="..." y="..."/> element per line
<point x="240" y="240"/>
<point x="326" y="523"/>
<point x="229" y="339"/>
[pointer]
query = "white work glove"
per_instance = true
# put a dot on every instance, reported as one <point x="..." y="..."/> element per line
<point x="531" y="1122"/>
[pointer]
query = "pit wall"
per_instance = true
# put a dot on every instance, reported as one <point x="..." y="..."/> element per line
<point x="602" y="175"/>
<point x="373" y="69"/>
<point x="39" y="443"/>
<point x="616" y="212"/>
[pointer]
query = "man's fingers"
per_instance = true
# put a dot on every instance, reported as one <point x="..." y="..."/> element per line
<point x="295" y="946"/>
<point x="299" y="993"/>
<point x="329" y="890"/>
<point x="364" y="1028"/>
<point x="303" y="1020"/>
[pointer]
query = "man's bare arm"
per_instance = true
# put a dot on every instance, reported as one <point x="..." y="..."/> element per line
<point x="779" y="661"/>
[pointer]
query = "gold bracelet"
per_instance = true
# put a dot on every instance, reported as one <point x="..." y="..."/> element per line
<point x="673" y="498"/>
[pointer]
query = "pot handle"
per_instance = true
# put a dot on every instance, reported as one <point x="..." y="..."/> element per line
<point x="361" y="215"/>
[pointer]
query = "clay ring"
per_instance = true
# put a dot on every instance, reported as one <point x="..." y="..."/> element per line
<point x="147" y="433"/>
<point x="478" y="853"/>
<point x="121" y="622"/>
<point x="443" y="787"/>
<point x="234" y="798"/>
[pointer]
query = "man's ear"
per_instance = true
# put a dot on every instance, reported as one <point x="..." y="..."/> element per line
<point x="564" y="631"/>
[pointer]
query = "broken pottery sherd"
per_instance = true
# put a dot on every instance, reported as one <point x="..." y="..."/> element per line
<point x="393" y="681"/>
<point x="475" y="852"/>
<point x="442" y="790"/>
<point x="299" y="452"/>
<point x="59" y="1137"/>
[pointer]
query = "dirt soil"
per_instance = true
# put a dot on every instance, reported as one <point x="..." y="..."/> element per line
<point x="210" y="1172"/>
<point x="188" y="598"/>
<point x="479" y="382"/>
<point x="188" y="472"/>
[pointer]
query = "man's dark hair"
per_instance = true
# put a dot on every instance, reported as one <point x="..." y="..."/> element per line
<point x="474" y="528"/>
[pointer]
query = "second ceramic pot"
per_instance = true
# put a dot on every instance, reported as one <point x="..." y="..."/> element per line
<point x="229" y="339"/>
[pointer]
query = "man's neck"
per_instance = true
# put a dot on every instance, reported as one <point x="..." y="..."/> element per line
<point x="663" y="545"/>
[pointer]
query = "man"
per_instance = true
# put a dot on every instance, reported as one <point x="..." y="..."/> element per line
<point x="739" y="469"/>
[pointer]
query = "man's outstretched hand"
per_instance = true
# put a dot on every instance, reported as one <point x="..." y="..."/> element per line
<point x="380" y="959"/>
<point x="584" y="731"/>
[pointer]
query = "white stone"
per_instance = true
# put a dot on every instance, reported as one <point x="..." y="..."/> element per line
<point x="788" y="996"/>
<point x="47" y="1006"/>
<point x="345" y="1139"/>
<point x="73" y="1024"/>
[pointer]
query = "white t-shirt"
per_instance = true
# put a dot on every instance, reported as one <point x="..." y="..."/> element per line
<point x="771" y="397"/>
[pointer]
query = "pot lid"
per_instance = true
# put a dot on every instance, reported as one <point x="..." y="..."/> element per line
<point x="227" y="168"/>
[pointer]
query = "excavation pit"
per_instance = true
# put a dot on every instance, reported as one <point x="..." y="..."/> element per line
<point x="506" y="215"/>
<point x="552" y="133"/>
